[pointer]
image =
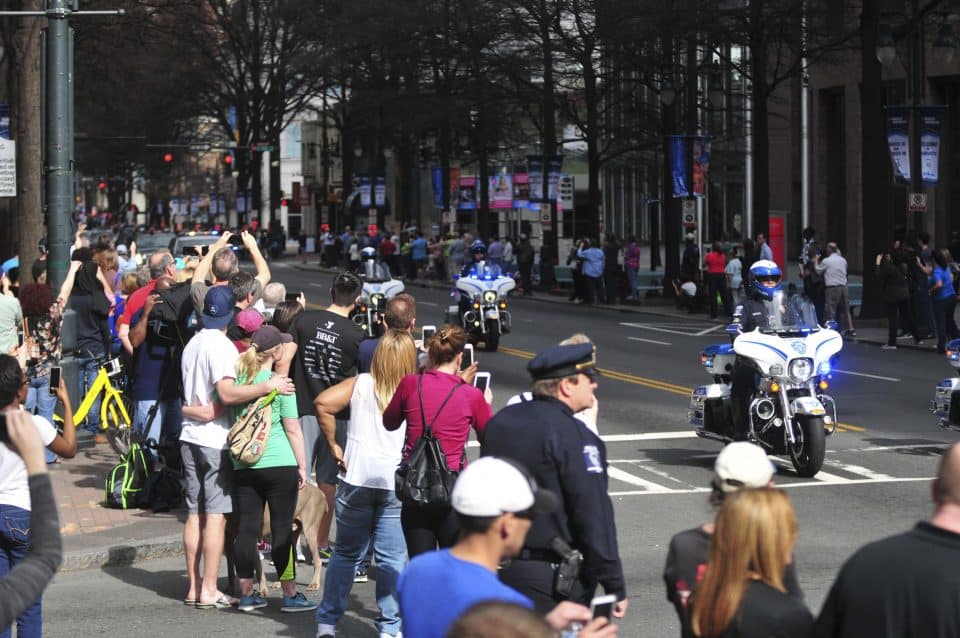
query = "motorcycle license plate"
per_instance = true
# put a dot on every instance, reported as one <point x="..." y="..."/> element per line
<point x="491" y="314"/>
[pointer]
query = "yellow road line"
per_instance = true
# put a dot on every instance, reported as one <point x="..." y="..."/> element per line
<point x="654" y="384"/>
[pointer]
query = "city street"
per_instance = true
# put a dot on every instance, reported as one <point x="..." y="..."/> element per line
<point x="875" y="481"/>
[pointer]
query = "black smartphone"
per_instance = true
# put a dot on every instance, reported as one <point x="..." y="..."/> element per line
<point x="19" y="338"/>
<point x="482" y="381"/>
<point x="293" y="296"/>
<point x="54" y="379"/>
<point x="603" y="606"/>
<point x="467" y="356"/>
<point x="4" y="437"/>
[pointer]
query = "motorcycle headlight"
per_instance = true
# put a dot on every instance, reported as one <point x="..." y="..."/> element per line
<point x="489" y="296"/>
<point x="801" y="369"/>
<point x="376" y="299"/>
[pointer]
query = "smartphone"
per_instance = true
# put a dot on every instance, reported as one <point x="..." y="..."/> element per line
<point x="4" y="437"/>
<point x="427" y="334"/>
<point x="19" y="338"/>
<point x="603" y="606"/>
<point x="293" y="296"/>
<point x="467" y="356"/>
<point x="482" y="381"/>
<point x="55" y="379"/>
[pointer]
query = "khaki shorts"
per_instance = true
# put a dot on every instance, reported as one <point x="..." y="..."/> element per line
<point x="208" y="473"/>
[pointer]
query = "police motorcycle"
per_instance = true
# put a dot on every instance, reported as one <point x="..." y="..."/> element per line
<point x="946" y="398"/>
<point x="790" y="355"/>
<point x="378" y="288"/>
<point x="482" y="291"/>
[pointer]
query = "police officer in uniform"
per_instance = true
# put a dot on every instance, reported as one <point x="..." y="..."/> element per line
<point x="765" y="280"/>
<point x="567" y="458"/>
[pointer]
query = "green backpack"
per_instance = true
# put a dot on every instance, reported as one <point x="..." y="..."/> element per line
<point x="126" y="485"/>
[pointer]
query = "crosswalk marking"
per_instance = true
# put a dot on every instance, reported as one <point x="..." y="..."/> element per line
<point x="626" y="477"/>
<point x="824" y="477"/>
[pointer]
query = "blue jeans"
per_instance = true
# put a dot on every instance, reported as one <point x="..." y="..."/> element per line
<point x="362" y="512"/>
<point x="87" y="370"/>
<point x="40" y="400"/>
<point x="632" y="281"/>
<point x="14" y="543"/>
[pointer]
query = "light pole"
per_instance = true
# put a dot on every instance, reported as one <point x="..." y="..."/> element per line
<point x="944" y="46"/>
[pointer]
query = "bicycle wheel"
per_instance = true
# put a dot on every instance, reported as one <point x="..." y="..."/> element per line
<point x="116" y="424"/>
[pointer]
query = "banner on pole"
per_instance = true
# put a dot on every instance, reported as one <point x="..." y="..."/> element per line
<point x="436" y="179"/>
<point x="678" y="165"/>
<point x="930" y="144"/>
<point x="535" y="178"/>
<point x="468" y="193"/>
<point x="501" y="190"/>
<point x="454" y="187"/>
<point x="380" y="192"/>
<point x="898" y="141"/>
<point x="701" y="165"/>
<point x="5" y="121"/>
<point x="365" y="200"/>
<point x="521" y="190"/>
<point x="553" y="165"/>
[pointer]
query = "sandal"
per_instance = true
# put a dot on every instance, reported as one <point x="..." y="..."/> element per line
<point x="222" y="602"/>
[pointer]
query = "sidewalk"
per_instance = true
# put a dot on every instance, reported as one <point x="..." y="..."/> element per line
<point x="871" y="331"/>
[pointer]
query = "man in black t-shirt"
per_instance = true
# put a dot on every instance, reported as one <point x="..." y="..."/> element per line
<point x="327" y="344"/>
<point x="739" y="465"/>
<point x="905" y="585"/>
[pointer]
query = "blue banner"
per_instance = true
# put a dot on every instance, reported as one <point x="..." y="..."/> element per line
<point x="535" y="178"/>
<point x="930" y="144"/>
<point x="5" y="121"/>
<point x="380" y="192"/>
<point x="554" y="164"/>
<point x="678" y="165"/>
<point x="436" y="178"/>
<point x="365" y="199"/>
<point x="898" y="141"/>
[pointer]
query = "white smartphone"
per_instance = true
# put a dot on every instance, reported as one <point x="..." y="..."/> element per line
<point x="427" y="333"/>
<point x="603" y="606"/>
<point x="467" y="356"/>
<point x="482" y="381"/>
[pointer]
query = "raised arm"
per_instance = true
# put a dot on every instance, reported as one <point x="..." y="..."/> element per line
<point x="259" y="263"/>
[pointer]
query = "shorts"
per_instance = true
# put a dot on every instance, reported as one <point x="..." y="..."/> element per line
<point x="317" y="450"/>
<point x="208" y="473"/>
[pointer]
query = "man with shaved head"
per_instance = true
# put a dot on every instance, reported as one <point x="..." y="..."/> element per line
<point x="905" y="585"/>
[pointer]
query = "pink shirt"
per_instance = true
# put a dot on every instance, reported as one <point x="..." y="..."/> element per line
<point x="465" y="409"/>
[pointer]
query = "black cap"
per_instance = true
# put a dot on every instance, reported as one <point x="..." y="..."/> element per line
<point x="563" y="361"/>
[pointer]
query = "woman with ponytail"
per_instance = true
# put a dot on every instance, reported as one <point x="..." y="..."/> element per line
<point x="275" y="480"/>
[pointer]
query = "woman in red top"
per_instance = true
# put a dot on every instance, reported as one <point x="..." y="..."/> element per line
<point x="716" y="262"/>
<point x="451" y="407"/>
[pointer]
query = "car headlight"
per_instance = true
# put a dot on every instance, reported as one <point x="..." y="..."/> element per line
<point x="489" y="296"/>
<point x="801" y="369"/>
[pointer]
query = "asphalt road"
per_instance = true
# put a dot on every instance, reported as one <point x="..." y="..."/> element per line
<point x="875" y="481"/>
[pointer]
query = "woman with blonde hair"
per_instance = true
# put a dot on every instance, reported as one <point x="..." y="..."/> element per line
<point x="742" y="594"/>
<point x="366" y="503"/>
<point x="275" y="480"/>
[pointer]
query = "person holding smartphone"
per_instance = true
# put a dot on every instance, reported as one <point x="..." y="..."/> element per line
<point x="452" y="406"/>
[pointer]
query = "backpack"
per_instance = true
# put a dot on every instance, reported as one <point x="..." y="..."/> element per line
<point x="424" y="479"/>
<point x="248" y="437"/>
<point x="173" y="321"/>
<point x="163" y="491"/>
<point x="127" y="481"/>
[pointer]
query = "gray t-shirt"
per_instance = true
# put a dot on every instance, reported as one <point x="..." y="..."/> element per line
<point x="11" y="317"/>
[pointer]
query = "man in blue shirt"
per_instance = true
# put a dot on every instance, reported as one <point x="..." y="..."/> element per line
<point x="593" y="263"/>
<point x="495" y="501"/>
<point x="418" y="253"/>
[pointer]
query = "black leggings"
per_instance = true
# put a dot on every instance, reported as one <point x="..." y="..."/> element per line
<point x="277" y="487"/>
<point x="426" y="528"/>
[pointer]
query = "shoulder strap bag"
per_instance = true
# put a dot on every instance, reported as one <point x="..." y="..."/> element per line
<point x="424" y="479"/>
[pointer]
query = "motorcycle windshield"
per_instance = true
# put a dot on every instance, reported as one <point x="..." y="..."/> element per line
<point x="485" y="271"/>
<point x="789" y="314"/>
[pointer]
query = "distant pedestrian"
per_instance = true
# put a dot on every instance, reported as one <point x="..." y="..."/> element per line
<point x="631" y="263"/>
<point x="690" y="261"/>
<point x="716" y="263"/>
<point x="763" y="248"/>
<point x="944" y="297"/>
<point x="734" y="273"/>
<point x="611" y="268"/>
<point x="525" y="258"/>
<point x="813" y="284"/>
<point x="905" y="585"/>
<point x="895" y="291"/>
<point x="834" y="269"/>
<point x="593" y="268"/>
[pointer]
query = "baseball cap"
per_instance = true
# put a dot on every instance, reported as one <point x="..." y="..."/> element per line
<point x="218" y="307"/>
<point x="742" y="464"/>
<point x="249" y="320"/>
<point x="491" y="486"/>
<point x="121" y="249"/>
<point x="267" y="337"/>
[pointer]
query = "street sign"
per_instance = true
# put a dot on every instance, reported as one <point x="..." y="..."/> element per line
<point x="917" y="202"/>
<point x="202" y="148"/>
<point x="546" y="216"/>
<point x="262" y="147"/>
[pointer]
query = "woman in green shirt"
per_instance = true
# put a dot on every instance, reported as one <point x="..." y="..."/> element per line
<point x="275" y="480"/>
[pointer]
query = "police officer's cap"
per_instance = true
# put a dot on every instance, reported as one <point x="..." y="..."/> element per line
<point x="563" y="361"/>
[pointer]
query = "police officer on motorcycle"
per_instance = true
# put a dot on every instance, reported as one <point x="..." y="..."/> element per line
<point x="765" y="280"/>
<point x="373" y="270"/>
<point x="479" y="251"/>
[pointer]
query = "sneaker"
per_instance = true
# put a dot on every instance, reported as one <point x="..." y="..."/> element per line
<point x="325" y="554"/>
<point x="850" y="333"/>
<point x="251" y="602"/>
<point x="300" y="557"/>
<point x="887" y="346"/>
<point x="297" y="603"/>
<point x="904" y="335"/>
<point x="360" y="575"/>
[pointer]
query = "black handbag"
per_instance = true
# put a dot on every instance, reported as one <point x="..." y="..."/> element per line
<point x="424" y="479"/>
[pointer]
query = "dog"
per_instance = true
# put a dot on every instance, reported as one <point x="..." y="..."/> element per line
<point x="311" y="506"/>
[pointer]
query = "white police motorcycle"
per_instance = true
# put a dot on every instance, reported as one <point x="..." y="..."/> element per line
<point x="378" y="288"/>
<point x="789" y="410"/>
<point x="946" y="398"/>
<point x="483" y="309"/>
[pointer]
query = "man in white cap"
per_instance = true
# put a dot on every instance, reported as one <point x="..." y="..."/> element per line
<point x="740" y="465"/>
<point x="126" y="262"/>
<point x="495" y="501"/>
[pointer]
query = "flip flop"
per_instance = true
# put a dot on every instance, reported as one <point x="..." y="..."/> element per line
<point x="190" y="602"/>
<point x="223" y="602"/>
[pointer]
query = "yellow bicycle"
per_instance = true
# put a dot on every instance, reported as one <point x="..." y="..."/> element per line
<point x="115" y="408"/>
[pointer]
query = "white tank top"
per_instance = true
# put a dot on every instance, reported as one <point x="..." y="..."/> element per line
<point x="372" y="453"/>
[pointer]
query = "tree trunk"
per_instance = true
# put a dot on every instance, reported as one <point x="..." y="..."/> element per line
<point x="877" y="234"/>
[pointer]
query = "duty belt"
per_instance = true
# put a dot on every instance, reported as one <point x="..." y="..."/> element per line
<point x="544" y="555"/>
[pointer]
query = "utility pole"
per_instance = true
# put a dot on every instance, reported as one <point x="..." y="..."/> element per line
<point x="58" y="162"/>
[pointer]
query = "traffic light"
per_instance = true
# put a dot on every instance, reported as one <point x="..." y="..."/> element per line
<point x="102" y="186"/>
<point x="228" y="159"/>
<point x="168" y="158"/>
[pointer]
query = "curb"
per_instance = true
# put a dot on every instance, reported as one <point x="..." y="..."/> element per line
<point x="122" y="555"/>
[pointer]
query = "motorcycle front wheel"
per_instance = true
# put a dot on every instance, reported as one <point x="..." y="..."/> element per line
<point x="808" y="450"/>
<point x="492" y="338"/>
